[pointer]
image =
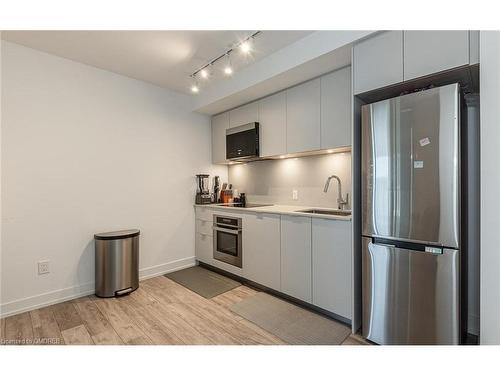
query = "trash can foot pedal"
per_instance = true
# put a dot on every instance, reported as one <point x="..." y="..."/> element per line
<point x="122" y="292"/>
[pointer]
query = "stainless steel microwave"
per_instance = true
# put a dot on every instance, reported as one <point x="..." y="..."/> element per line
<point x="242" y="142"/>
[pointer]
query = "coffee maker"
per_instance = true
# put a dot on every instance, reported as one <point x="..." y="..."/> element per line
<point x="203" y="194"/>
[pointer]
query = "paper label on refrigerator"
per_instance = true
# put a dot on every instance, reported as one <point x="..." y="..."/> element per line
<point x="424" y="141"/>
<point x="418" y="164"/>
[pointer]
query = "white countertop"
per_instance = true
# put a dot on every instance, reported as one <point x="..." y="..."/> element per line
<point x="279" y="209"/>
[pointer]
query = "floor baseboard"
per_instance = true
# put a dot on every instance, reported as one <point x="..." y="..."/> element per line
<point x="57" y="296"/>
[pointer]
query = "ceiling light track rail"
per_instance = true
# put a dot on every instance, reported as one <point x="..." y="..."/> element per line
<point x="227" y="53"/>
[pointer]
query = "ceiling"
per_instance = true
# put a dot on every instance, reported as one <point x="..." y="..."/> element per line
<point x="164" y="58"/>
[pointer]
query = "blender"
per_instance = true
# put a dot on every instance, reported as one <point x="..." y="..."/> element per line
<point x="203" y="194"/>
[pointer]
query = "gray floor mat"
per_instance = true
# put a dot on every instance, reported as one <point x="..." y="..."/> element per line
<point x="204" y="282"/>
<point x="289" y="322"/>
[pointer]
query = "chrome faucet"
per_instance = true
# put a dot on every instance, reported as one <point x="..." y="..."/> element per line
<point x="340" y="201"/>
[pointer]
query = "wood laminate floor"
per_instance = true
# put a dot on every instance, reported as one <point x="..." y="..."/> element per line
<point x="159" y="312"/>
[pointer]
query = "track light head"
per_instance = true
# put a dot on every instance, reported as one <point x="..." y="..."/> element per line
<point x="245" y="47"/>
<point x="204" y="73"/>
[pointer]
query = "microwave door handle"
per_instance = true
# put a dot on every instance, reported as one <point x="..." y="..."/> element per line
<point x="230" y="231"/>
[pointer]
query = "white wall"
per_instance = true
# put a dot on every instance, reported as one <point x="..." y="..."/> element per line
<point x="85" y="151"/>
<point x="272" y="181"/>
<point x="490" y="183"/>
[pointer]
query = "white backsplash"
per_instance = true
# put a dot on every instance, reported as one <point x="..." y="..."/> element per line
<point x="273" y="181"/>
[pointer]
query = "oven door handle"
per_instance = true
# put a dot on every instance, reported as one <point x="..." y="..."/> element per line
<point x="231" y="231"/>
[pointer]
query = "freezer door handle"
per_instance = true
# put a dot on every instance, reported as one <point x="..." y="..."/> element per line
<point x="404" y="245"/>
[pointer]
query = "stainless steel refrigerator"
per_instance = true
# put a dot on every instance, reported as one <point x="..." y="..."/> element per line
<point x="411" y="194"/>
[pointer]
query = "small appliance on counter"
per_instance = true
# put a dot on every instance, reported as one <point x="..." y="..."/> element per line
<point x="216" y="198"/>
<point x="243" y="199"/>
<point x="226" y="194"/>
<point x="203" y="194"/>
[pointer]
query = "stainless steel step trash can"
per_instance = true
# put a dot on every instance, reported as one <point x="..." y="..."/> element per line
<point x="116" y="262"/>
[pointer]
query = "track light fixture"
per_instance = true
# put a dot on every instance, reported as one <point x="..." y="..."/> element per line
<point x="204" y="73"/>
<point x="245" y="46"/>
<point x="194" y="87"/>
<point x="228" y="69"/>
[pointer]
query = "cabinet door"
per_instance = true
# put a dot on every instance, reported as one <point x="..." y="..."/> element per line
<point x="261" y="249"/>
<point x="204" y="213"/>
<point x="296" y="257"/>
<point x="272" y="122"/>
<point x="378" y="61"/>
<point x="204" y="227"/>
<point x="204" y="248"/>
<point x="427" y="52"/>
<point x="473" y="47"/>
<point x="244" y="115"/>
<point x="336" y="109"/>
<point x="219" y="125"/>
<point x="332" y="266"/>
<point x="303" y="117"/>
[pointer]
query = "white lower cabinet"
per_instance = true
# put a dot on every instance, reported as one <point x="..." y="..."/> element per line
<point x="296" y="257"/>
<point x="306" y="258"/>
<point x="203" y="243"/>
<point x="332" y="266"/>
<point x="204" y="227"/>
<point x="204" y="213"/>
<point x="261" y="249"/>
<point x="204" y="248"/>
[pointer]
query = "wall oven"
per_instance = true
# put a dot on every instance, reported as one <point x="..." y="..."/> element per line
<point x="227" y="240"/>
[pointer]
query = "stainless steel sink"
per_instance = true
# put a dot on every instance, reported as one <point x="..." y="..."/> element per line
<point x="326" y="212"/>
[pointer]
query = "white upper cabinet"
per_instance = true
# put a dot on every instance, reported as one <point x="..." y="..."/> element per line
<point x="244" y="115"/>
<point x="336" y="109"/>
<point x="332" y="266"/>
<point x="378" y="61"/>
<point x="272" y="122"/>
<point x="428" y="52"/>
<point x="392" y="57"/>
<point x="473" y="47"/>
<point x="261" y="254"/>
<point x="219" y="125"/>
<point x="296" y="257"/>
<point x="303" y="117"/>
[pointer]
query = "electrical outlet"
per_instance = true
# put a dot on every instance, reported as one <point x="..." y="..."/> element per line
<point x="43" y="267"/>
<point x="295" y="194"/>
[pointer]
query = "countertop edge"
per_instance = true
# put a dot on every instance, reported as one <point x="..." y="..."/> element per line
<point x="277" y="211"/>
